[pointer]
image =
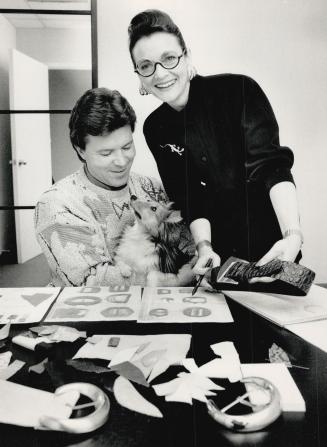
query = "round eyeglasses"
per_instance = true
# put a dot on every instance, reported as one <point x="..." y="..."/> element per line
<point x="146" y="67"/>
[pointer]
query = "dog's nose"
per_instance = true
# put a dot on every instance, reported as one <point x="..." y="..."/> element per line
<point x="133" y="197"/>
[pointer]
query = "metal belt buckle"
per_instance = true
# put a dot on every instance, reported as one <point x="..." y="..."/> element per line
<point x="264" y="412"/>
<point x="84" y="424"/>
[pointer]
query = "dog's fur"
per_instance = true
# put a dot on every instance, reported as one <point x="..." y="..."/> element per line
<point x="146" y="249"/>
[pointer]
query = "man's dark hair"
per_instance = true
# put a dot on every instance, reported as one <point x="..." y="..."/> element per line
<point x="99" y="111"/>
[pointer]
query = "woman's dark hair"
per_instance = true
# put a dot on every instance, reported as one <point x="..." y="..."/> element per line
<point x="98" y="112"/>
<point x="152" y="21"/>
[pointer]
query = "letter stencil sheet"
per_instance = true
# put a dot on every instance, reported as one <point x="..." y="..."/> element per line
<point x="177" y="305"/>
<point x="112" y="303"/>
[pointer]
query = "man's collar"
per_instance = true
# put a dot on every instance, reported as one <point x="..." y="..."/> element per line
<point x="97" y="182"/>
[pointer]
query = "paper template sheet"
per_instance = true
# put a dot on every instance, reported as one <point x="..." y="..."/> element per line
<point x="278" y="375"/>
<point x="285" y="309"/>
<point x="96" y="304"/>
<point x="106" y="347"/>
<point x="313" y="332"/>
<point x="25" y="304"/>
<point x="22" y="405"/>
<point x="177" y="305"/>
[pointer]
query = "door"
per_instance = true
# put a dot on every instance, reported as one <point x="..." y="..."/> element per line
<point x="31" y="145"/>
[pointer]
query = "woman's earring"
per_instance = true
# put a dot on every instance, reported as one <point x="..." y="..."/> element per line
<point x="143" y="91"/>
<point x="191" y="72"/>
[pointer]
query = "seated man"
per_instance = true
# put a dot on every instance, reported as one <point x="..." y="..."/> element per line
<point x="80" y="219"/>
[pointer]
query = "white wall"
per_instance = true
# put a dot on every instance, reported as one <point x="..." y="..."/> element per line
<point x="57" y="48"/>
<point x="280" y="43"/>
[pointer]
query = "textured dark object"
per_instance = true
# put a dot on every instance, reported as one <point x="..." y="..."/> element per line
<point x="87" y="366"/>
<point x="241" y="271"/>
<point x="290" y="278"/>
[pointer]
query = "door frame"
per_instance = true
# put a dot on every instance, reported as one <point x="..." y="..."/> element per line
<point x="94" y="59"/>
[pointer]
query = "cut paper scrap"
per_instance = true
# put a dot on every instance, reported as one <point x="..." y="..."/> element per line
<point x="216" y="369"/>
<point x="190" y="365"/>
<point x="148" y="361"/>
<point x="123" y="355"/>
<point x="94" y="339"/>
<point x="57" y="333"/>
<point x="221" y="368"/>
<point x="150" y="358"/>
<point x="183" y="393"/>
<point x="24" y="406"/>
<point x="38" y="368"/>
<point x="67" y="334"/>
<point x="48" y="334"/>
<point x="127" y="396"/>
<point x="228" y="366"/>
<point x="185" y="387"/>
<point x="178" y="305"/>
<point x="4" y="331"/>
<point x="175" y="346"/>
<point x="8" y="369"/>
<point x="96" y="304"/>
<point x="225" y="349"/>
<point x="278" y="375"/>
<point x="140" y="365"/>
<point x="12" y="369"/>
<point x="26" y="304"/>
<point x="131" y="372"/>
<point x="278" y="355"/>
<point x="5" y="359"/>
<point x="158" y="368"/>
<point x="43" y="330"/>
<point x="229" y="363"/>
<point x="28" y="342"/>
<point x="87" y="366"/>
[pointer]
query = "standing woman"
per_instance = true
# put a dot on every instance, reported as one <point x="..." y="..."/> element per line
<point x="215" y="140"/>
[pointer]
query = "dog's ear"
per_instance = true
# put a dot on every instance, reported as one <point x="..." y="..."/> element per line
<point x="174" y="217"/>
<point x="169" y="205"/>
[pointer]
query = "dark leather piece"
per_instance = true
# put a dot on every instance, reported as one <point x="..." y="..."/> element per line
<point x="289" y="278"/>
<point x="296" y="275"/>
<point x="241" y="271"/>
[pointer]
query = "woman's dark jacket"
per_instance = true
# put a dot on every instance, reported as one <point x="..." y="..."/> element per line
<point x="218" y="159"/>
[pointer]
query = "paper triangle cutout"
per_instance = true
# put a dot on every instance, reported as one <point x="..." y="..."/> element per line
<point x="37" y="298"/>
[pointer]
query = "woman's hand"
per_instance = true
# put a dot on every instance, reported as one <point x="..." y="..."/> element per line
<point x="205" y="254"/>
<point x="200" y="268"/>
<point x="285" y="249"/>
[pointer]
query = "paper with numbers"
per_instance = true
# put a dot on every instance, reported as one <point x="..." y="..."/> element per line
<point x="25" y="304"/>
<point x="96" y="304"/>
<point x="177" y="305"/>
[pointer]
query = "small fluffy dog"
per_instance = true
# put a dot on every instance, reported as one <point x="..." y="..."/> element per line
<point x="148" y="250"/>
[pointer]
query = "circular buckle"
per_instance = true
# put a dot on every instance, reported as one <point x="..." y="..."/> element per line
<point x="264" y="413"/>
<point x="84" y="424"/>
